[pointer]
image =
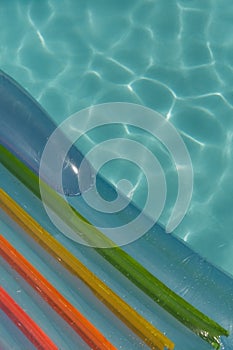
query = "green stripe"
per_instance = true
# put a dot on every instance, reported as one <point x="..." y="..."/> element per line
<point x="187" y="314"/>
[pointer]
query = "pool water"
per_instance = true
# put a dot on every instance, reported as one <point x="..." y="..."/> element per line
<point x="175" y="57"/>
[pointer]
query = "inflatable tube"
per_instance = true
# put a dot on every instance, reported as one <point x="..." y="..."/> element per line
<point x="168" y="253"/>
<point x="24" y="130"/>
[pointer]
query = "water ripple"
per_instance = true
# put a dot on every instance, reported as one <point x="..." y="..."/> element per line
<point x="175" y="57"/>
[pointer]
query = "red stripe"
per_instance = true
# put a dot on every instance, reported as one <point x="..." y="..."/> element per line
<point x="86" y="330"/>
<point x="25" y="323"/>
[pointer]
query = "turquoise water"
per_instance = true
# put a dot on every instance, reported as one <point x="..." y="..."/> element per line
<point x="172" y="56"/>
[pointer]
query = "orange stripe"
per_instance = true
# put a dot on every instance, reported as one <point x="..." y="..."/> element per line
<point x="154" y="338"/>
<point x="62" y="306"/>
<point x="26" y="325"/>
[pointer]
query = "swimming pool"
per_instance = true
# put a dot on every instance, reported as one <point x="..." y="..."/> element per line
<point x="72" y="55"/>
<point x="174" y="57"/>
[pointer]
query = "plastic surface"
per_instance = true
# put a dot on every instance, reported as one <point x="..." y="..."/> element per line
<point x="170" y="260"/>
<point x="132" y="319"/>
<point x="27" y="326"/>
<point x="191" y="317"/>
<point x="153" y="287"/>
<point x="24" y="130"/>
<point x="61" y="305"/>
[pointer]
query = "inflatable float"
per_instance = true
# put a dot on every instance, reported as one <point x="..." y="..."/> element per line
<point x="24" y="130"/>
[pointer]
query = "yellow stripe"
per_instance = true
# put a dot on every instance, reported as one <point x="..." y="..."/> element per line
<point x="147" y="332"/>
